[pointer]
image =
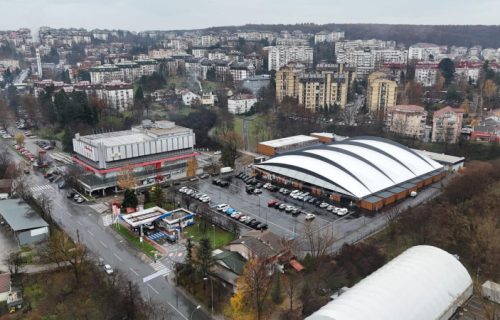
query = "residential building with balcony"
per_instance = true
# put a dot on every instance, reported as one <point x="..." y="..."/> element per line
<point x="426" y="74"/>
<point x="279" y="56"/>
<point x="447" y="125"/>
<point x="241" y="103"/>
<point x="406" y="120"/>
<point x="382" y="92"/>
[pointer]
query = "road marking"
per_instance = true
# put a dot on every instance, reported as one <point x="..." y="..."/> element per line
<point x="157" y="265"/>
<point x="103" y="244"/>
<point x="117" y="256"/>
<point x="90" y="232"/>
<point x="135" y="272"/>
<point x="79" y="222"/>
<point x="67" y="213"/>
<point x="177" y="310"/>
<point x="153" y="288"/>
<point x="59" y="205"/>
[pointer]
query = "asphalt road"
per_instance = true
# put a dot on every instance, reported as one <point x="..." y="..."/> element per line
<point x="84" y="222"/>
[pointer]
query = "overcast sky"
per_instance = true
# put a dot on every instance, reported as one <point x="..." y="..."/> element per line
<point x="192" y="14"/>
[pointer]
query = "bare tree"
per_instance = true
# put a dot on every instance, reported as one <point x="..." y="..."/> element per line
<point x="60" y="248"/>
<point x="253" y="286"/>
<point x="290" y="284"/>
<point x="349" y="114"/>
<point x="317" y="241"/>
<point x="15" y="263"/>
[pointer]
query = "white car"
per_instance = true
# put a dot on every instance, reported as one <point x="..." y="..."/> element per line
<point x="183" y="189"/>
<point x="108" y="269"/>
<point x="330" y="208"/>
<point x="310" y="216"/>
<point x="205" y="199"/>
<point x="323" y="205"/>
<point x="221" y="206"/>
<point x="342" y="211"/>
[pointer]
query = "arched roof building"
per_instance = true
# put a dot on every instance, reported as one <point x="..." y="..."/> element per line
<point x="424" y="282"/>
<point x="356" y="167"/>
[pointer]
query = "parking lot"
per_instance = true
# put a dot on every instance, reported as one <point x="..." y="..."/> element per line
<point x="279" y="221"/>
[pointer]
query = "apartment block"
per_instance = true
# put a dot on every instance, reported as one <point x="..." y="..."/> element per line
<point x="406" y="120"/>
<point x="382" y="92"/>
<point x="447" y="124"/>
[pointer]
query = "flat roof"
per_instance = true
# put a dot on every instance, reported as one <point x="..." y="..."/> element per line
<point x="323" y="134"/>
<point x="155" y="213"/>
<point x="373" y="199"/>
<point x="20" y="216"/>
<point x="441" y="157"/>
<point x="289" y="141"/>
<point x="135" y="135"/>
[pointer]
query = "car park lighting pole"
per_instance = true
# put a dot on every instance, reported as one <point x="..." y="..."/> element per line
<point x="197" y="307"/>
<point x="212" y="288"/>
<point x="213" y="228"/>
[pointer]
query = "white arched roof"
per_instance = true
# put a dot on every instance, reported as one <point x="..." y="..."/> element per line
<point x="357" y="167"/>
<point x="424" y="282"/>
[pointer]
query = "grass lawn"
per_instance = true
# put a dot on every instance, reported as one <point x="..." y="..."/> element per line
<point x="196" y="231"/>
<point x="134" y="239"/>
<point x="257" y="129"/>
<point x="238" y="126"/>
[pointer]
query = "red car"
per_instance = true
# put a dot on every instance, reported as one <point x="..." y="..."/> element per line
<point x="271" y="203"/>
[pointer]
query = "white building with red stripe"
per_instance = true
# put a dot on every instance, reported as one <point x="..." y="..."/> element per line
<point x="154" y="152"/>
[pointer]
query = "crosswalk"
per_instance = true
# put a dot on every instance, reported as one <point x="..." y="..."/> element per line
<point x="99" y="207"/>
<point x="157" y="265"/>
<point x="36" y="191"/>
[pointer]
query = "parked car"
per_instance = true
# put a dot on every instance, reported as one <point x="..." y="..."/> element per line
<point x="261" y="226"/>
<point x="108" y="269"/>
<point x="310" y="216"/>
<point x="257" y="191"/>
<point x="271" y="203"/>
<point x="282" y="206"/>
<point x="323" y="205"/>
<point x="221" y="206"/>
<point x="149" y="226"/>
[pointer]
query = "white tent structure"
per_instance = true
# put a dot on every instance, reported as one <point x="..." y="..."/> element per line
<point x="424" y="282"/>
<point x="356" y="167"/>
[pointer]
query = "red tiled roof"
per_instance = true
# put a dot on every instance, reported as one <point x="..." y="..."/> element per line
<point x="296" y="265"/>
<point x="448" y="109"/>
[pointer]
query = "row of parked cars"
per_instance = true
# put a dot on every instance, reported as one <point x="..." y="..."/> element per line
<point x="294" y="211"/>
<point x="306" y="197"/>
<point x="220" y="183"/>
<point x="44" y="145"/>
<point x="195" y="194"/>
<point x="237" y="215"/>
<point x="25" y="152"/>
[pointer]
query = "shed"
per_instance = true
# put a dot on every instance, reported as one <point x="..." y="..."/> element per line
<point x="27" y="225"/>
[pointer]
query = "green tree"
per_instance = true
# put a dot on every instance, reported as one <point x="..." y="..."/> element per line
<point x="139" y="94"/>
<point x="157" y="195"/>
<point x="447" y="68"/>
<point x="204" y="256"/>
<point x="130" y="199"/>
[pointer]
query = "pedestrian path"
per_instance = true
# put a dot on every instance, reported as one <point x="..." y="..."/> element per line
<point x="157" y="265"/>
<point x="36" y="191"/>
<point x="99" y="207"/>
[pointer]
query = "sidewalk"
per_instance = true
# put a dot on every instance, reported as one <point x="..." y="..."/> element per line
<point x="39" y="268"/>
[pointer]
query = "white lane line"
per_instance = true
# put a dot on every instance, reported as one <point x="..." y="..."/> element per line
<point x="151" y="287"/>
<point x="103" y="244"/>
<point x="178" y="311"/>
<point x="117" y="257"/>
<point x="90" y="232"/>
<point x="79" y="222"/>
<point x="135" y="272"/>
<point x="59" y="205"/>
<point x="67" y="213"/>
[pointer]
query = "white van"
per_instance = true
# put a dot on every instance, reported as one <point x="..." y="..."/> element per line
<point x="4" y="196"/>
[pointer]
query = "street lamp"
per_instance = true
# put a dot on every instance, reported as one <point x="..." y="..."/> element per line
<point x="197" y="307"/>
<point x="213" y="228"/>
<point x="212" y="288"/>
